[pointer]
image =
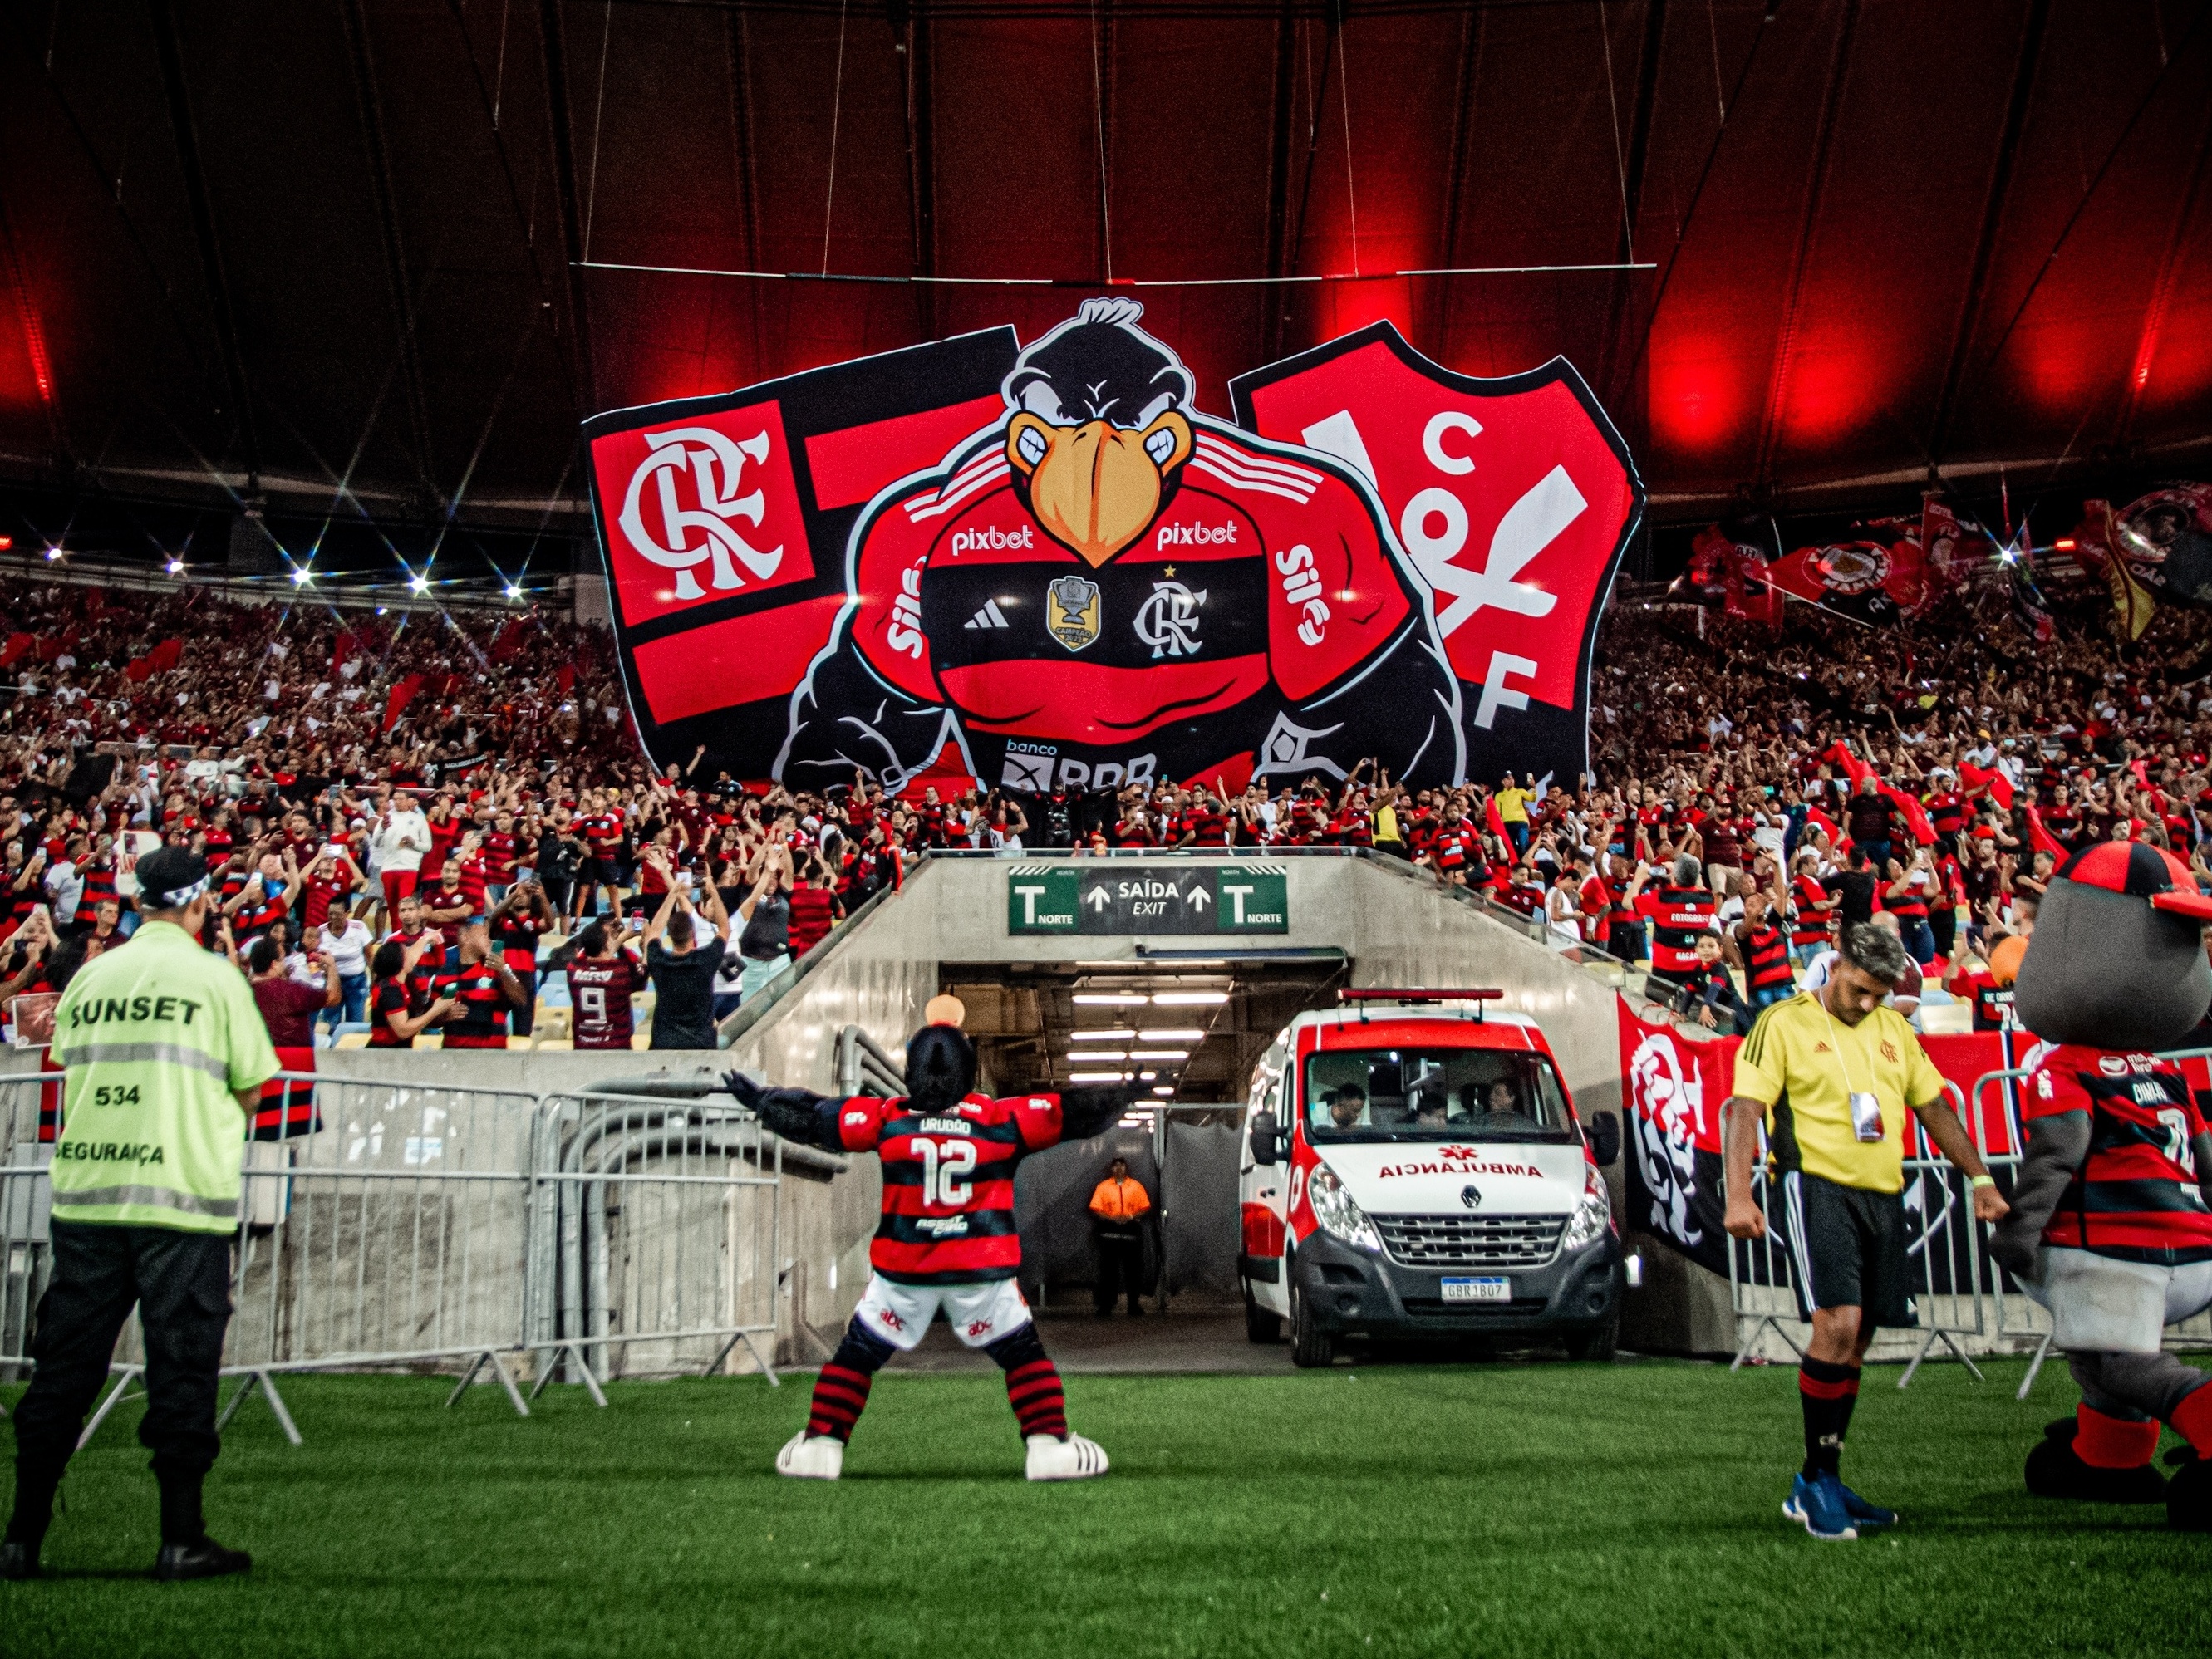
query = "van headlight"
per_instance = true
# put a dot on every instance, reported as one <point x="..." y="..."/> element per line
<point x="1338" y="1213"/>
<point x="1592" y="1216"/>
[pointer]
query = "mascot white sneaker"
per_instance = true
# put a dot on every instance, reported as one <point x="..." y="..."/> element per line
<point x="2109" y="1227"/>
<point x="1071" y="1459"/>
<point x="809" y="1457"/>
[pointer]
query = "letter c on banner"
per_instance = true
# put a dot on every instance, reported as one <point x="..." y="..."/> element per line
<point x="1448" y="420"/>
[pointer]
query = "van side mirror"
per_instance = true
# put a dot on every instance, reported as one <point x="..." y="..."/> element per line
<point x="1267" y="1137"/>
<point x="1604" y="1139"/>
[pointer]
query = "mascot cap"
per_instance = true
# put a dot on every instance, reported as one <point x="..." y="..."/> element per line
<point x="2140" y="871"/>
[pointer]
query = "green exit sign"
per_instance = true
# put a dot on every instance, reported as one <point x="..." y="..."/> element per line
<point x="1108" y="896"/>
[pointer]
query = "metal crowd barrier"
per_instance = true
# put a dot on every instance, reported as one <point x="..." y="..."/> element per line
<point x="660" y="1223"/>
<point x="2020" y="1317"/>
<point x="25" y="1153"/>
<point x="1943" y="1247"/>
<point x="421" y="1228"/>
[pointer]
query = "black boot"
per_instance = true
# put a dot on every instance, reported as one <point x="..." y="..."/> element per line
<point x="2055" y="1470"/>
<point x="202" y="1558"/>
<point x="2189" y="1496"/>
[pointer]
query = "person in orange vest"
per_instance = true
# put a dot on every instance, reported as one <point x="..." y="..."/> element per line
<point x="1118" y="1205"/>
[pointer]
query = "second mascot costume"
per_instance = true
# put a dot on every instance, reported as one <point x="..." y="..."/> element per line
<point x="2109" y="1227"/>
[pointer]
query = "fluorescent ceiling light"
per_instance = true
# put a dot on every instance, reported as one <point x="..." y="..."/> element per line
<point x="1159" y="1053"/>
<point x="1169" y="1036"/>
<point x="1164" y="1089"/>
<point x="1147" y="1076"/>
<point x="1191" y="999"/>
<point x="1089" y="1055"/>
<point x="1104" y="1034"/>
<point x="1110" y="999"/>
<point x="1097" y="1077"/>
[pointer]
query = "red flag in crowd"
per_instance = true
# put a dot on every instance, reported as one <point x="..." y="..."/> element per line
<point x="1976" y="780"/>
<point x="2040" y="839"/>
<point x="567" y="677"/>
<point x="1496" y="820"/>
<point x="2096" y="544"/>
<point x="403" y="693"/>
<point x="510" y="640"/>
<point x="341" y="647"/>
<point x="1908" y="806"/>
<point x="19" y="646"/>
<point x="166" y="655"/>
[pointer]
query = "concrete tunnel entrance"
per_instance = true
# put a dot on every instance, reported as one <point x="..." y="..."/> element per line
<point x="1183" y="1031"/>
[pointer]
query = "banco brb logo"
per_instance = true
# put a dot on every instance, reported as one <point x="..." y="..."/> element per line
<point x="682" y="500"/>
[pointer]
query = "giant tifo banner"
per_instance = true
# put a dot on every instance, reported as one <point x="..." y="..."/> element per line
<point x="1041" y="567"/>
<point x="1674" y="1085"/>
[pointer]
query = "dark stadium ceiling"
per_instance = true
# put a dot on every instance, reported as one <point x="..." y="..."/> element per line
<point x="399" y="243"/>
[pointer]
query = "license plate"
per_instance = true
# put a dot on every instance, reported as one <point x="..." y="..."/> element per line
<point x="1478" y="1290"/>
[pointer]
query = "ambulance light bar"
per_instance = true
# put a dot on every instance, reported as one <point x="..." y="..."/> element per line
<point x="1488" y="993"/>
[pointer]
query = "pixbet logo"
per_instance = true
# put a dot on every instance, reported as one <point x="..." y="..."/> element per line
<point x="991" y="539"/>
<point x="681" y="506"/>
<point x="1195" y="535"/>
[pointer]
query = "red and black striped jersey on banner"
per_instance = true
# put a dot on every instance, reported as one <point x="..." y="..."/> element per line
<point x="2135" y="1197"/>
<point x="948" y="1214"/>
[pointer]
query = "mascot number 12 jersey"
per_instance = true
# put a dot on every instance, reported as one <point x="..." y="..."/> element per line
<point x="948" y="1215"/>
<point x="2135" y="1196"/>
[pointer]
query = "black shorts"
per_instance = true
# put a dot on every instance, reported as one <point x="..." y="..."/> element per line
<point x="1846" y="1248"/>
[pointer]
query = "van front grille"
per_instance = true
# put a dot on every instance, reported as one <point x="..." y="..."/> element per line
<point x="1471" y="1241"/>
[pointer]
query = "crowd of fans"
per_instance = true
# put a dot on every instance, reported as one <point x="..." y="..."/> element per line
<point x="441" y="823"/>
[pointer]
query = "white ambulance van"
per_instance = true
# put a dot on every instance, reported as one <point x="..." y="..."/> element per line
<point x="1413" y="1167"/>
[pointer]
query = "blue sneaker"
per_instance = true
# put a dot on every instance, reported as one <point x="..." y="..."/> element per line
<point x="1818" y="1505"/>
<point x="1865" y="1515"/>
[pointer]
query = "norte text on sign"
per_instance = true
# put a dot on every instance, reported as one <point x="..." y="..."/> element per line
<point x="1108" y="896"/>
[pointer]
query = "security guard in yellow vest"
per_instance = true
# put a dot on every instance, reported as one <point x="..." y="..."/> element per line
<point x="167" y="1055"/>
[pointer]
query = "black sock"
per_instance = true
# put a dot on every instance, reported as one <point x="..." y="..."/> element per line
<point x="181" y="1522"/>
<point x="1827" y="1392"/>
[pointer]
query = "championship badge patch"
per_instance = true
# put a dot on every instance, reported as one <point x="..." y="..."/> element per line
<point x="1072" y="611"/>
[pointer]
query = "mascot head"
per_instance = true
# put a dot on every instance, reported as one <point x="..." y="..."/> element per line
<point x="940" y="1067"/>
<point x="2117" y="959"/>
<point x="1098" y="427"/>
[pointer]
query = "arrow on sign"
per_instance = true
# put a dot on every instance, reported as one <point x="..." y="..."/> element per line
<point x="1098" y="900"/>
<point x="1197" y="895"/>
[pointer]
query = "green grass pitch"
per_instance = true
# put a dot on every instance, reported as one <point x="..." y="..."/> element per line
<point x="1488" y="1510"/>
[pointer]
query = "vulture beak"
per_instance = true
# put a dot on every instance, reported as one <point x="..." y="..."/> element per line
<point x="1096" y="486"/>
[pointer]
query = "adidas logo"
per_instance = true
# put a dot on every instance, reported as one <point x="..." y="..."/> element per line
<point x="989" y="617"/>
<point x="1822" y="1048"/>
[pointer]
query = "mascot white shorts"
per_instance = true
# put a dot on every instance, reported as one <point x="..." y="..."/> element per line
<point x="979" y="1314"/>
<point x="2104" y="1305"/>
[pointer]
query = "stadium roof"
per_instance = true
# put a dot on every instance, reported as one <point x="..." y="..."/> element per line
<point x="410" y="245"/>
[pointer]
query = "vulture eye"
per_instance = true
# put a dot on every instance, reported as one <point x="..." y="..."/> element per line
<point x="1160" y="446"/>
<point x="1030" y="442"/>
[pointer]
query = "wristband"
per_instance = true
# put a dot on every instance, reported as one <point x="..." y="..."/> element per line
<point x="1982" y="1181"/>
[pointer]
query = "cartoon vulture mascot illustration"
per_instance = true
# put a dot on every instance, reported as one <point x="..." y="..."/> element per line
<point x="1106" y="586"/>
<point x="2109" y="1227"/>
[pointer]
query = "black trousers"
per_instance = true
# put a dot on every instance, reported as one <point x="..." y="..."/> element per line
<point x="180" y="1282"/>
<point x="1121" y="1263"/>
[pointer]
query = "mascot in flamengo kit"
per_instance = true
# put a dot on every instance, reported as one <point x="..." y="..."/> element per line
<point x="2109" y="1227"/>
<point x="946" y="1241"/>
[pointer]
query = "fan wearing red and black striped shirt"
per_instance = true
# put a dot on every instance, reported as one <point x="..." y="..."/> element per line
<point x="947" y="1241"/>
<point x="482" y="991"/>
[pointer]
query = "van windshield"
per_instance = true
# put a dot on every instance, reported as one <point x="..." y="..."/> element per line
<point x="1438" y="1094"/>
